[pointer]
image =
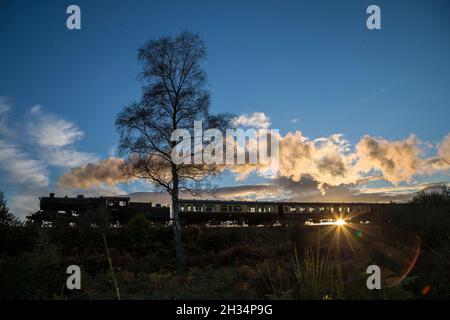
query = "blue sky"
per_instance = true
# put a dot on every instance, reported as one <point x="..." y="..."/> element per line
<point x="312" y="61"/>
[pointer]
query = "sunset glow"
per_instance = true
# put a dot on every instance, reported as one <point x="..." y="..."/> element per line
<point x="340" y="222"/>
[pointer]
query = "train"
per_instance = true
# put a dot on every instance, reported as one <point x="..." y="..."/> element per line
<point x="198" y="211"/>
<point x="261" y="212"/>
<point x="120" y="209"/>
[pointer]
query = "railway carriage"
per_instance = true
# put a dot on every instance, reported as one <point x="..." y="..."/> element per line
<point x="193" y="211"/>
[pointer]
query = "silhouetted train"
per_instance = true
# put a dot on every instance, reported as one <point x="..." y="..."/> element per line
<point x="254" y="212"/>
<point x="121" y="209"/>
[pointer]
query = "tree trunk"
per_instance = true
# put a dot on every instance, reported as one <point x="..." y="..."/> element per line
<point x="179" y="254"/>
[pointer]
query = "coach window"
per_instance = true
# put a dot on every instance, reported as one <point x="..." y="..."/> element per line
<point x="122" y="203"/>
<point x="252" y="209"/>
<point x="189" y="208"/>
<point x="209" y="209"/>
<point x="237" y="208"/>
<point x="111" y="203"/>
<point x="223" y="208"/>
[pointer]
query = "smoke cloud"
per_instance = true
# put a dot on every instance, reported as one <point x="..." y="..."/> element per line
<point x="396" y="160"/>
<point x="329" y="161"/>
<point x="95" y="173"/>
<point x="444" y="149"/>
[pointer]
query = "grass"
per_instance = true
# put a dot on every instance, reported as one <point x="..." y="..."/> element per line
<point x="246" y="263"/>
<point x="111" y="269"/>
<point x="311" y="275"/>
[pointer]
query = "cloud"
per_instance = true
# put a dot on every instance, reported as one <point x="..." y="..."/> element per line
<point x="23" y="204"/>
<point x="258" y="192"/>
<point x="397" y="160"/>
<point x="4" y="106"/>
<point x="294" y="120"/>
<point x="19" y="167"/>
<point x="27" y="161"/>
<point x="284" y="189"/>
<point x="309" y="190"/>
<point x="256" y="120"/>
<point x="331" y="162"/>
<point x="401" y="190"/>
<point x="37" y="109"/>
<point x="444" y="149"/>
<point x="68" y="158"/>
<point x="4" y="110"/>
<point x="94" y="174"/>
<point x="246" y="192"/>
<point x="326" y="159"/>
<point x="51" y="131"/>
<point x="55" y="135"/>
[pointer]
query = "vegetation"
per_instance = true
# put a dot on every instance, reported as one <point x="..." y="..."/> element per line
<point x="428" y="215"/>
<point x="6" y="217"/>
<point x="137" y="261"/>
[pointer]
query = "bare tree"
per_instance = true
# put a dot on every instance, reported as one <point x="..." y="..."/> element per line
<point x="174" y="96"/>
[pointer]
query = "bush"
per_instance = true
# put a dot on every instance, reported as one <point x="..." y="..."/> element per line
<point x="139" y="228"/>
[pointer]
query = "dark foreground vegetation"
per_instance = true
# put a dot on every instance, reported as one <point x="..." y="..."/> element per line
<point x="296" y="262"/>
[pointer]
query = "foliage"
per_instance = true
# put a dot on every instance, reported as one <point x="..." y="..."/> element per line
<point x="35" y="274"/>
<point x="98" y="217"/>
<point x="433" y="198"/>
<point x="313" y="276"/>
<point x="428" y="215"/>
<point x="6" y="217"/>
<point x="139" y="228"/>
<point x="223" y="263"/>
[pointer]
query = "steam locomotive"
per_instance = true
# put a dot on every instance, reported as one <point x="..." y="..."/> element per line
<point x="191" y="211"/>
<point x="120" y="209"/>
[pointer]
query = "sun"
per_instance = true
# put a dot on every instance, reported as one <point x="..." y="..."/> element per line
<point x="340" y="222"/>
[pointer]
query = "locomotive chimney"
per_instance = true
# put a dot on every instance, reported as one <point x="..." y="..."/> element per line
<point x="52" y="195"/>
